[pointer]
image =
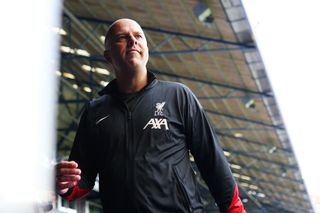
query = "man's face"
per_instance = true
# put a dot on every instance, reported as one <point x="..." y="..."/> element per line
<point x="127" y="45"/>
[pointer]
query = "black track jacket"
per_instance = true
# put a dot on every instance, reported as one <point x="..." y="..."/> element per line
<point x="142" y="154"/>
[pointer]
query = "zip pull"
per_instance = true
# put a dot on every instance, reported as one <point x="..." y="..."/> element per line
<point x="129" y="115"/>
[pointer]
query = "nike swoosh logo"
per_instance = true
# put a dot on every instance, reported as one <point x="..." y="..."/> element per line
<point x="101" y="119"/>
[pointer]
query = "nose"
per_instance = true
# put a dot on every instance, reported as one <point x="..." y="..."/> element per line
<point x="132" y="40"/>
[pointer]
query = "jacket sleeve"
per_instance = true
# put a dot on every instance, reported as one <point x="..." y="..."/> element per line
<point x="209" y="157"/>
<point x="83" y="152"/>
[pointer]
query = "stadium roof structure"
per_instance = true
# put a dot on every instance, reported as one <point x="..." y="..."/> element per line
<point x="209" y="46"/>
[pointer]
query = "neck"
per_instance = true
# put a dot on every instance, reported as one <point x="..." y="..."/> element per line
<point x="132" y="81"/>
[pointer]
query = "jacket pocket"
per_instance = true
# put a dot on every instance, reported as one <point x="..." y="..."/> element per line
<point x="182" y="189"/>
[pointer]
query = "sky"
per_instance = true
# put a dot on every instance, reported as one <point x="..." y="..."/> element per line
<point x="288" y="37"/>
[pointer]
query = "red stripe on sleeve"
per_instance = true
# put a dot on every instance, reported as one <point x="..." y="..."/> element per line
<point x="236" y="205"/>
<point x="77" y="193"/>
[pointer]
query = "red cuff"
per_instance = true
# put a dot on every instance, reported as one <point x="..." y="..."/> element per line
<point x="77" y="193"/>
<point x="236" y="205"/>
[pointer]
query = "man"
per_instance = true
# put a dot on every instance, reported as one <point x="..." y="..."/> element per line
<point x="137" y="137"/>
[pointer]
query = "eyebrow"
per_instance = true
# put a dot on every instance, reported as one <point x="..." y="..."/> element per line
<point x="125" y="33"/>
<point x="112" y="36"/>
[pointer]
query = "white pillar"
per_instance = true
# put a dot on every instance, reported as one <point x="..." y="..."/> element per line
<point x="28" y="60"/>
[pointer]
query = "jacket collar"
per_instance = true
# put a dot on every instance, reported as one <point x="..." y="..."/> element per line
<point x="111" y="88"/>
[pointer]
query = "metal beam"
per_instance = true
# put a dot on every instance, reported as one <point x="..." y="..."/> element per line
<point x="223" y="97"/>
<point x="292" y="194"/>
<point x="191" y="51"/>
<point x="221" y="134"/>
<point x="254" y="169"/>
<point x="90" y="83"/>
<point x="255" y="181"/>
<point x="285" y="202"/>
<point x="158" y="30"/>
<point x="265" y="160"/>
<point x="244" y="119"/>
<point x="160" y="44"/>
<point x="84" y="30"/>
<point x="244" y="129"/>
<point x="68" y="84"/>
<point x="212" y="83"/>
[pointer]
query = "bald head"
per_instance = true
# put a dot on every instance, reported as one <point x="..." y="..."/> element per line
<point x="126" y="47"/>
<point x="113" y="28"/>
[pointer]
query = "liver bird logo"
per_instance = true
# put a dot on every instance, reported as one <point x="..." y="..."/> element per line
<point x="159" y="107"/>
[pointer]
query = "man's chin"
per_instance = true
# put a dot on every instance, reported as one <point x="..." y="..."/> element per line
<point x="134" y="63"/>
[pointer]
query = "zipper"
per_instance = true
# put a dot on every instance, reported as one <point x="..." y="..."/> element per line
<point x="130" y="159"/>
<point x="129" y="116"/>
<point x="128" y="145"/>
<point x="127" y="124"/>
<point x="182" y="189"/>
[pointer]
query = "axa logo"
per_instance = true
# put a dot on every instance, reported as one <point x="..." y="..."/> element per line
<point x="157" y="123"/>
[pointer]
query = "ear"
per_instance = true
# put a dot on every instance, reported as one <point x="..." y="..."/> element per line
<point x="106" y="54"/>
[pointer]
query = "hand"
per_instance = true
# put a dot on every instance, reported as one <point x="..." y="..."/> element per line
<point x="67" y="176"/>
